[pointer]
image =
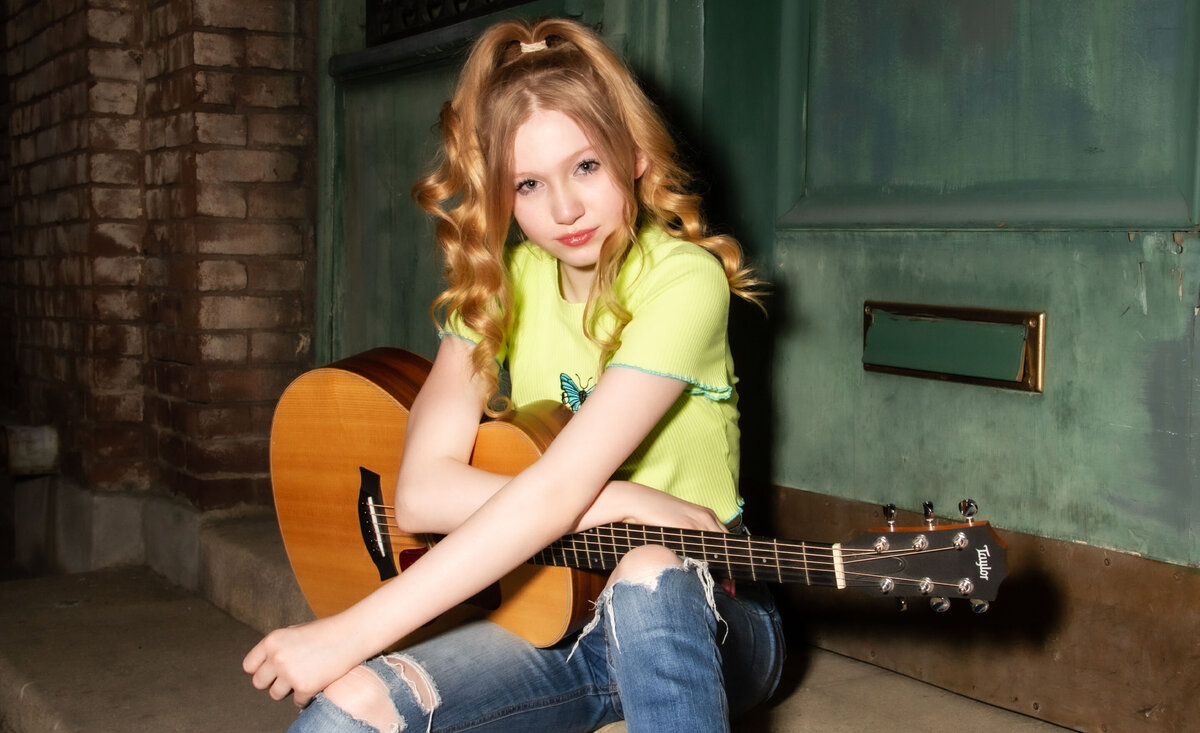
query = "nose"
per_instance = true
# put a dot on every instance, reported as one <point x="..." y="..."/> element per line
<point x="568" y="207"/>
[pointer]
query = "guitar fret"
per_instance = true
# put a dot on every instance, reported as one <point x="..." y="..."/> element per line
<point x="803" y="559"/>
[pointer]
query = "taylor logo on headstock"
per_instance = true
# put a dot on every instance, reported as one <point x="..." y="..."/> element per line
<point x="984" y="554"/>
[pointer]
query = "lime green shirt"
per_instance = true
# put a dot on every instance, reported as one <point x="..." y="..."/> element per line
<point x="678" y="296"/>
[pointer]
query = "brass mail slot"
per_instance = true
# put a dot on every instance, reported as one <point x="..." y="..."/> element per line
<point x="996" y="348"/>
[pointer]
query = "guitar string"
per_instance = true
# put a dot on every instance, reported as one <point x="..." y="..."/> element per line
<point x="569" y="545"/>
<point x="700" y="540"/>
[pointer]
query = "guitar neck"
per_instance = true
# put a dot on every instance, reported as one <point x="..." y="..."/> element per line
<point x="740" y="557"/>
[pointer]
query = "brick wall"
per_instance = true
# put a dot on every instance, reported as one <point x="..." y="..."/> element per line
<point x="163" y="236"/>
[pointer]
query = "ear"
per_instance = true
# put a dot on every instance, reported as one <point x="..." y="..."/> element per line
<point x="640" y="161"/>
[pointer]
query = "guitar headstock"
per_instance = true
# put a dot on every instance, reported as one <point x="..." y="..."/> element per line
<point x="940" y="562"/>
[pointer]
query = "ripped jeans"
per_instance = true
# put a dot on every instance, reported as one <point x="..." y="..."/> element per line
<point x="662" y="658"/>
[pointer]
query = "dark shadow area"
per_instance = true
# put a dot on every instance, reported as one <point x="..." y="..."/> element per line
<point x="1028" y="611"/>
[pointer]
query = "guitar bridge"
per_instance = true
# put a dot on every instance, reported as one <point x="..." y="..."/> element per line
<point x="379" y="547"/>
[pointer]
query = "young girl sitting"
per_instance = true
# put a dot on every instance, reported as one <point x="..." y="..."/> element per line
<point x="617" y="303"/>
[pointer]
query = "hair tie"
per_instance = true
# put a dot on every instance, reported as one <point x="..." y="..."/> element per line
<point x="531" y="47"/>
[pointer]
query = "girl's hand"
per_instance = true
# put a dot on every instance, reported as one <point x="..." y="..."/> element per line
<point x="301" y="660"/>
<point x="627" y="501"/>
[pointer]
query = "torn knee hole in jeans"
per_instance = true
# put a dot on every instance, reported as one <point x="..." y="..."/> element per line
<point x="364" y="695"/>
<point x="649" y="581"/>
<point x="424" y="691"/>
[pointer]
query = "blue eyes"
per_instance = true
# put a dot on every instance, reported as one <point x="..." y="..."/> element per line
<point x="586" y="167"/>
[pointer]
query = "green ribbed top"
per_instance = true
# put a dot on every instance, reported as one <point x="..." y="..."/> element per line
<point x="679" y="298"/>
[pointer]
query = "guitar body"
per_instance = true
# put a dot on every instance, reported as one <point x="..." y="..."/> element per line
<point x="337" y="436"/>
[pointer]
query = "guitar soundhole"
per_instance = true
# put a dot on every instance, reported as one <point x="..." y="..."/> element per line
<point x="487" y="599"/>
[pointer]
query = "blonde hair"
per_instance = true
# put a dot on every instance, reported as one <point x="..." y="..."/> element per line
<point x="514" y="68"/>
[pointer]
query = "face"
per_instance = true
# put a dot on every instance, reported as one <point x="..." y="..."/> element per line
<point x="565" y="199"/>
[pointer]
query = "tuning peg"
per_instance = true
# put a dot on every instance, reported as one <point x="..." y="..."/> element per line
<point x="968" y="508"/>
<point x="928" y="509"/>
<point x="978" y="605"/>
<point x="889" y="513"/>
<point x="940" y="604"/>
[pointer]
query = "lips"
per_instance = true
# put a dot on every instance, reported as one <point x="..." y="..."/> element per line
<point x="577" y="239"/>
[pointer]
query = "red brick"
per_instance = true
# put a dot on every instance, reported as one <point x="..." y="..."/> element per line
<point x="247" y="384"/>
<point x="229" y="456"/>
<point x="221" y="275"/>
<point x="113" y="237"/>
<point x="280" y="128"/>
<point x="117" y="340"/>
<point x="114" y="132"/>
<point x="246" y="311"/>
<point x="114" y="63"/>
<point x="246" y="166"/>
<point x="220" y="129"/>
<point x="168" y="19"/>
<point x="269" y="90"/>
<point x="279" y="202"/>
<point x="220" y="200"/>
<point x="218" y="49"/>
<point x="274" y="52"/>
<point x="246" y="238"/>
<point x="120" y="271"/>
<point x="120" y="474"/>
<point x="164" y="167"/>
<point x="113" y="97"/>
<point x="172" y="453"/>
<point x="223" y="348"/>
<point x="276" y="275"/>
<point x="279" y="346"/>
<point x="277" y="16"/>
<point x="123" y="407"/>
<point x="117" y="203"/>
<point x="121" y="168"/>
<point x="180" y="129"/>
<point x="118" y="305"/>
<point x="215" y="87"/>
<point x="205" y="421"/>
<point x="116" y="374"/>
<point x="110" y="26"/>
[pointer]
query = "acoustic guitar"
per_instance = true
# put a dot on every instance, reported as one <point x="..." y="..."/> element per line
<point x="336" y="443"/>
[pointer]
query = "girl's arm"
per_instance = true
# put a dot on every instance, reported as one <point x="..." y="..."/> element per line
<point x="531" y="510"/>
<point x="437" y="489"/>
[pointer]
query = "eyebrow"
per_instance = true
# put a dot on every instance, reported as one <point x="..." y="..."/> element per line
<point x="573" y="156"/>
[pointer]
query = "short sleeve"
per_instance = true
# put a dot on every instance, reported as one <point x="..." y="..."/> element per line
<point x="680" y="312"/>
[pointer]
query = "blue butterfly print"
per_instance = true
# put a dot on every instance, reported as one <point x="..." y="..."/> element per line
<point x="573" y="396"/>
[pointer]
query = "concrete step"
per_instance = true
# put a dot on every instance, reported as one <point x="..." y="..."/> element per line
<point x="121" y="651"/>
<point x="126" y="651"/>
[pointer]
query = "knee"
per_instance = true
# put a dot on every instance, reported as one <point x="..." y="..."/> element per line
<point x="363" y="696"/>
<point x="643" y="565"/>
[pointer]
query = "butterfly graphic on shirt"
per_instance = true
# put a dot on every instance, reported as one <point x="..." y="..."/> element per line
<point x="573" y="395"/>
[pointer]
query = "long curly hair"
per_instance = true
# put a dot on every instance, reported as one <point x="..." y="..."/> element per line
<point x="514" y="68"/>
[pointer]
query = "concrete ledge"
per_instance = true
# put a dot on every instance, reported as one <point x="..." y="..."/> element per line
<point x="245" y="571"/>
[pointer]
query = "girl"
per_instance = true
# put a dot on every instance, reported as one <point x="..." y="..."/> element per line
<point x="616" y="302"/>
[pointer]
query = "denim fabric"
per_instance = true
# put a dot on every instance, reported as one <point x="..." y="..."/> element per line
<point x="659" y="658"/>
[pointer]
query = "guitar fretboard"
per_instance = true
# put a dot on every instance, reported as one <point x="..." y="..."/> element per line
<point x="741" y="557"/>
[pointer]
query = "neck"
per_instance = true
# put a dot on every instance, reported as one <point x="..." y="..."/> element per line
<point x="575" y="285"/>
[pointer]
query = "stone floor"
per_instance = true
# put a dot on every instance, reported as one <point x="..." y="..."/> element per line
<point x="125" y="651"/>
